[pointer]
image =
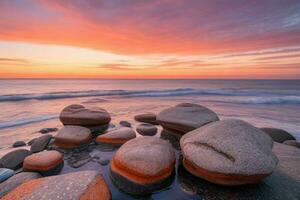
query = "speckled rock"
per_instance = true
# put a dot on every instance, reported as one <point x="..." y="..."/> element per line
<point x="143" y="165"/>
<point x="63" y="187"/>
<point x="40" y="143"/>
<point x="118" y="136"/>
<point x="16" y="180"/>
<point x="19" y="144"/>
<point x="292" y="143"/>
<point x="5" y="174"/>
<point x="146" y="129"/>
<point x="14" y="159"/>
<point x="125" y="123"/>
<point x="146" y="118"/>
<point x="72" y="137"/>
<point x="238" y="153"/>
<point x="45" y="162"/>
<point x="79" y="115"/>
<point x="278" y="135"/>
<point x="185" y="117"/>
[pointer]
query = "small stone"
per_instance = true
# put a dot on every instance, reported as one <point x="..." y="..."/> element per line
<point x="48" y="130"/>
<point x="77" y="185"/>
<point x="16" y="180"/>
<point x="117" y="136"/>
<point x="40" y="143"/>
<point x="5" y="174"/>
<point x="19" y="144"/>
<point x="45" y="162"/>
<point x="292" y="143"/>
<point x="103" y="162"/>
<point x="125" y="123"/>
<point x="146" y="118"/>
<point x="14" y="159"/>
<point x="278" y="135"/>
<point x="146" y="129"/>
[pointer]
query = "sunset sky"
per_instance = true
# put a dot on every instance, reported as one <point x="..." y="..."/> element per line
<point x="150" y="39"/>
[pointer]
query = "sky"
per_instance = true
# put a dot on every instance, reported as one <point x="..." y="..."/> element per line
<point x="139" y="39"/>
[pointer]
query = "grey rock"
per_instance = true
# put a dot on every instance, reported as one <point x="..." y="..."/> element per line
<point x="146" y="129"/>
<point x="146" y="118"/>
<point x="278" y="135"/>
<point x="5" y="174"/>
<point x="14" y="159"/>
<point x="40" y="143"/>
<point x="47" y="130"/>
<point x="19" y="144"/>
<point x="125" y="123"/>
<point x="292" y="143"/>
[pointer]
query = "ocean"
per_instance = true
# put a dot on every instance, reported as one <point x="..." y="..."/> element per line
<point x="29" y="105"/>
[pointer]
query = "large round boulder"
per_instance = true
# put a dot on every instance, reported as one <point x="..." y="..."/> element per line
<point x="84" y="185"/>
<point x="118" y="136"/>
<point x="14" y="159"/>
<point x="79" y="115"/>
<point x="228" y="152"/>
<point x="45" y="162"/>
<point x="278" y="135"/>
<point x="185" y="117"/>
<point x="143" y="165"/>
<point x="72" y="137"/>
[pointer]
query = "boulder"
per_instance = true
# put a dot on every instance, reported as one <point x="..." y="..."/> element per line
<point x="72" y="137"/>
<point x="228" y="152"/>
<point x="45" y="162"/>
<point x="40" y="143"/>
<point x="14" y="159"/>
<point x="79" y="115"/>
<point x="83" y="185"/>
<point x="278" y="135"/>
<point x="125" y="123"/>
<point x="19" y="144"/>
<point x="16" y="180"/>
<point x="118" y="136"/>
<point x="143" y="165"/>
<point x="292" y="143"/>
<point x="5" y="174"/>
<point x="146" y="118"/>
<point x="146" y="129"/>
<point x="185" y="117"/>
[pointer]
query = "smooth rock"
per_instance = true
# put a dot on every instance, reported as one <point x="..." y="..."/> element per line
<point x="118" y="136"/>
<point x="40" y="143"/>
<point x="146" y="129"/>
<point x="292" y="143"/>
<point x="30" y="142"/>
<point x="5" y="174"/>
<point x="146" y="118"/>
<point x="72" y="137"/>
<point x="143" y="165"/>
<point x="185" y="117"/>
<point x="45" y="162"/>
<point x="14" y="159"/>
<point x="278" y="135"/>
<point x="103" y="162"/>
<point x="47" y="130"/>
<point x="16" y="180"/>
<point x="19" y="144"/>
<point x="228" y="152"/>
<point x="125" y="123"/>
<point x="79" y="115"/>
<point x="83" y="185"/>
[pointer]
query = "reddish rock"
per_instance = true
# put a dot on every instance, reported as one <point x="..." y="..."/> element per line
<point x="146" y="118"/>
<point x="118" y="136"/>
<point x="146" y="129"/>
<point x="46" y="162"/>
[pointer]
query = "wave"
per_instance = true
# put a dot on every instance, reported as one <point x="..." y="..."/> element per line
<point x="126" y="93"/>
<point x="272" y="100"/>
<point x="253" y="96"/>
<point x="20" y="122"/>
